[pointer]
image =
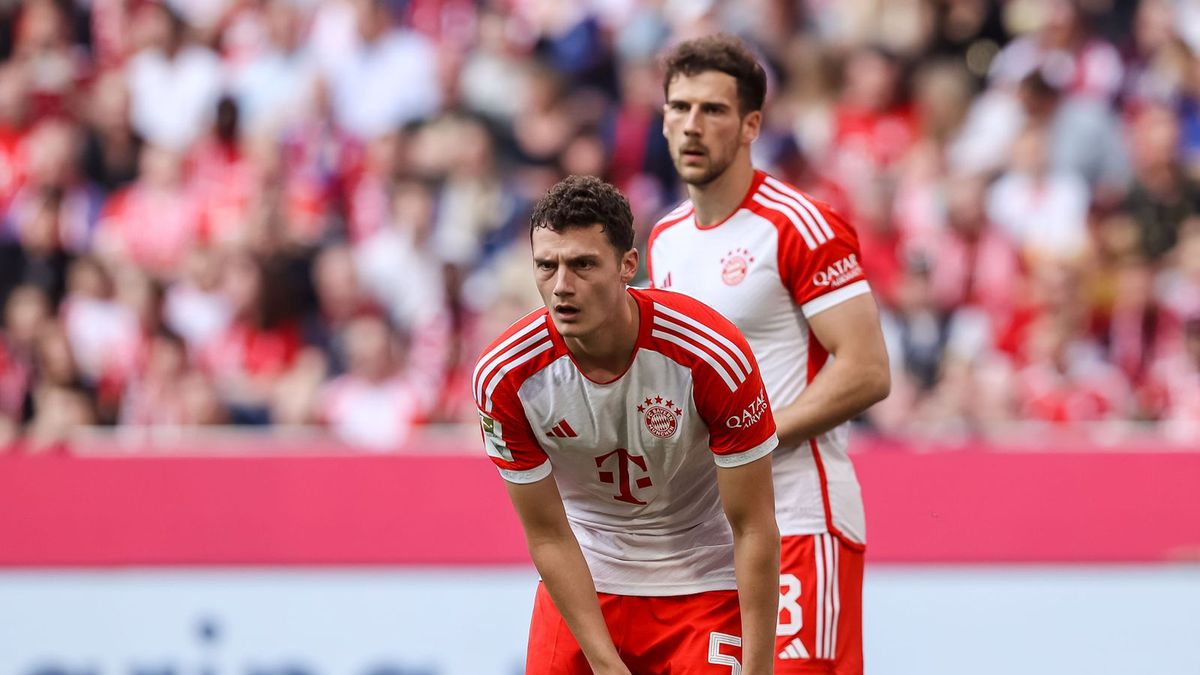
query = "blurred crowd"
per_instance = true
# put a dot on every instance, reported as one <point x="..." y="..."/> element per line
<point x="298" y="212"/>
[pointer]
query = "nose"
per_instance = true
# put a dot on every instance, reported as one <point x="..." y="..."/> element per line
<point x="691" y="124"/>
<point x="564" y="282"/>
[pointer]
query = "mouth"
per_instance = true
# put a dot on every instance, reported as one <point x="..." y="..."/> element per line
<point x="692" y="154"/>
<point x="566" y="312"/>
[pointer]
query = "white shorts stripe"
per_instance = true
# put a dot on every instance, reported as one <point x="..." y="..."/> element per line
<point x="741" y="355"/>
<point x="499" y="375"/>
<point x="723" y="353"/>
<point x="837" y="592"/>
<point x="721" y="369"/>
<point x="799" y="210"/>
<point x="805" y="201"/>
<point x="486" y="359"/>
<point x="486" y="374"/>
<point x="791" y="215"/>
<point x="819" y="558"/>
<point x="830" y="574"/>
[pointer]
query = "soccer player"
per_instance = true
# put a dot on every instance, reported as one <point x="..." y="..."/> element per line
<point x="788" y="272"/>
<point x="624" y="422"/>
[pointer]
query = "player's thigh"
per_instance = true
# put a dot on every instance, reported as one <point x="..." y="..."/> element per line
<point x="698" y="634"/>
<point x="552" y="648"/>
<point x="820" y="606"/>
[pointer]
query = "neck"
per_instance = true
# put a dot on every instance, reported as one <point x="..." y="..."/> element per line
<point x="717" y="200"/>
<point x="603" y="354"/>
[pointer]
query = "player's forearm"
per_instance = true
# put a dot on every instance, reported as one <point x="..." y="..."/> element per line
<point x="840" y="392"/>
<point x="756" y="563"/>
<point x="569" y="582"/>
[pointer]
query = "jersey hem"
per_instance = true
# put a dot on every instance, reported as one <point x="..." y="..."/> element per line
<point x="527" y="476"/>
<point x="739" y="458"/>
<point x="834" y="298"/>
<point x="665" y="590"/>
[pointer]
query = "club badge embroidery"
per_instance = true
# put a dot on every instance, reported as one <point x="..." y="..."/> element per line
<point x="661" y="416"/>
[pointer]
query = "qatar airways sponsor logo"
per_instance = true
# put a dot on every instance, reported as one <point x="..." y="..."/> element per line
<point x="751" y="415"/>
<point x="839" y="272"/>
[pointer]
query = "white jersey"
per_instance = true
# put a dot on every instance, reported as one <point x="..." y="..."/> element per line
<point x="780" y="258"/>
<point x="635" y="458"/>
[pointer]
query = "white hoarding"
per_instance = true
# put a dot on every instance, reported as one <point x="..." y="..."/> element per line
<point x="378" y="621"/>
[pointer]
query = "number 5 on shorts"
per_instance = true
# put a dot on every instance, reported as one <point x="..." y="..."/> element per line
<point x="718" y="640"/>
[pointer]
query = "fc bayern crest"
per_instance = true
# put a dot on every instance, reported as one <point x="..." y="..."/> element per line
<point x="734" y="266"/>
<point x="661" y="416"/>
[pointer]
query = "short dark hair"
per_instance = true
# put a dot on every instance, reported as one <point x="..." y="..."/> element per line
<point x="724" y="53"/>
<point x="583" y="201"/>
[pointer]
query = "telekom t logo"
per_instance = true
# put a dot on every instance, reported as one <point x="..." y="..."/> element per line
<point x="622" y="476"/>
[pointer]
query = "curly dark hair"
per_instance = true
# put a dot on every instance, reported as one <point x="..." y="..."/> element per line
<point x="583" y="201"/>
<point x="724" y="53"/>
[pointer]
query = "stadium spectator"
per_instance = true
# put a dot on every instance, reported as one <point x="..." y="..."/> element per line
<point x="387" y="77"/>
<point x="36" y="257"/>
<point x="174" y="82"/>
<point x="53" y="169"/>
<point x="111" y="147"/>
<point x="259" y="345"/>
<point x="373" y="404"/>
<point x="155" y="221"/>
<point x="1043" y="211"/>
<point x="276" y="84"/>
<point x="1163" y="194"/>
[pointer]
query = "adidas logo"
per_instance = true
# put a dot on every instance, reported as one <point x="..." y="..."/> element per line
<point x="562" y="430"/>
<point x="794" y="650"/>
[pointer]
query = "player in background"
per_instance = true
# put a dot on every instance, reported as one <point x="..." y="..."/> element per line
<point x="788" y="272"/>
<point x="634" y="432"/>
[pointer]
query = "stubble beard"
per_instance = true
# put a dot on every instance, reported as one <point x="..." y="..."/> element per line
<point x="715" y="170"/>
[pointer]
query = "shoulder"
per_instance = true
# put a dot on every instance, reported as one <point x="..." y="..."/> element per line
<point x="796" y="214"/>
<point x="678" y="215"/>
<point x="522" y="350"/>
<point x="698" y="337"/>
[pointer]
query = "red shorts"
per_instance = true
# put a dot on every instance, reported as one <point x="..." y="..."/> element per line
<point x="680" y="635"/>
<point x="820" y="606"/>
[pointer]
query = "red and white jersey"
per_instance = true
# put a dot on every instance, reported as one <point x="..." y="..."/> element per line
<point x="780" y="258"/>
<point x="635" y="458"/>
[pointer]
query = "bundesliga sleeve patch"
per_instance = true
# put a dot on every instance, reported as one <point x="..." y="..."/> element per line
<point x="493" y="438"/>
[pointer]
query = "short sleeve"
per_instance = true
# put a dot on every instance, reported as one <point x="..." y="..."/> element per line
<point x="740" y="425"/>
<point x="822" y="266"/>
<point x="509" y="439"/>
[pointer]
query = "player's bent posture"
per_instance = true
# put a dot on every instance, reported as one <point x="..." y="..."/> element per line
<point x="634" y="433"/>
<point x="788" y="272"/>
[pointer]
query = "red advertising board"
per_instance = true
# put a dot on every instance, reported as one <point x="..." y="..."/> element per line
<point x="950" y="506"/>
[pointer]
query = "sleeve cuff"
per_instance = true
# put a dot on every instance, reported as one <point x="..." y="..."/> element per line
<point x="527" y="476"/>
<point x="834" y="298"/>
<point x="745" y="457"/>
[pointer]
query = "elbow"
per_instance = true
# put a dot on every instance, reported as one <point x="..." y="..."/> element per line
<point x="881" y="383"/>
<point x="763" y="529"/>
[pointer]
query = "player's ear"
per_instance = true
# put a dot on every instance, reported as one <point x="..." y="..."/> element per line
<point x="629" y="265"/>
<point x="751" y="125"/>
